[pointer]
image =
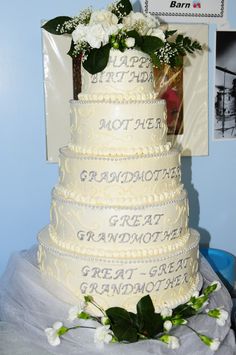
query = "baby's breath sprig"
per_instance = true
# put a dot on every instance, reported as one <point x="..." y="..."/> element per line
<point x="70" y="25"/>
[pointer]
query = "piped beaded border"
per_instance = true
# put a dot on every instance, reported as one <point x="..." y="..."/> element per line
<point x="117" y="98"/>
<point x="168" y="247"/>
<point x="62" y="194"/>
<point x="139" y="151"/>
<point x="191" y="244"/>
<point x="154" y="101"/>
<point x="161" y="152"/>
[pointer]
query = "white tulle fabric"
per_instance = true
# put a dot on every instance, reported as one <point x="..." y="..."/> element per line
<point x="27" y="307"/>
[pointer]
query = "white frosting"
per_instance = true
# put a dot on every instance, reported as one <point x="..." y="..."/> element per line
<point x="128" y="76"/>
<point x="119" y="214"/>
<point x="145" y="228"/>
<point x="114" y="127"/>
<point x="170" y="278"/>
<point x="111" y="178"/>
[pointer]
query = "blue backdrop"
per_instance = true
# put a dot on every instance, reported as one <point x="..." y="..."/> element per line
<point x="26" y="178"/>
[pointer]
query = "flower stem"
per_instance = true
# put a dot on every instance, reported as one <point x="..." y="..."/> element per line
<point x="80" y="326"/>
<point x="193" y="330"/>
<point x="98" y="307"/>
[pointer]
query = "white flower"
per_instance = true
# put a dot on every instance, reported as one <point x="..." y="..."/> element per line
<point x="79" y="34"/>
<point x="218" y="285"/>
<point x="96" y="35"/>
<point x="105" y="321"/>
<point x="129" y="42"/>
<point x="195" y="294"/>
<point x="75" y="311"/>
<point x="220" y="314"/>
<point x="212" y="343"/>
<point x="104" y="17"/>
<point x="53" y="333"/>
<point x="102" y="335"/>
<point x="110" y="30"/>
<point x="166" y="312"/>
<point x="167" y="325"/>
<point x="156" y="32"/>
<point x="171" y="341"/>
<point x="215" y="343"/>
<point x="140" y="22"/>
<point x="222" y="317"/>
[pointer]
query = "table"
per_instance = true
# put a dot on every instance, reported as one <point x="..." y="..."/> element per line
<point x="27" y="307"/>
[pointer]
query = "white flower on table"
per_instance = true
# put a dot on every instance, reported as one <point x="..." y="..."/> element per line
<point x="215" y="344"/>
<point x="166" y="312"/>
<point x="167" y="325"/>
<point x="218" y="285"/>
<point x="171" y="341"/>
<point x="75" y="311"/>
<point x="102" y="335"/>
<point x="53" y="334"/>
<point x="211" y="342"/>
<point x="220" y="314"/>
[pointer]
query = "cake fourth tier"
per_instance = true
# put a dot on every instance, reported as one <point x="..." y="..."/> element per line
<point x="119" y="214"/>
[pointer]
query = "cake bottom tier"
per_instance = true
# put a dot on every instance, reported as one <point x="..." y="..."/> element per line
<point x="170" y="279"/>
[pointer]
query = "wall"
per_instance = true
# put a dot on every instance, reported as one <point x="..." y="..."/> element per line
<point x="26" y="178"/>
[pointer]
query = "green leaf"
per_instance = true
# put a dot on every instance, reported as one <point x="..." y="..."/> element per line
<point x="71" y="50"/>
<point x="136" y="36"/>
<point x="170" y="33"/>
<point x="183" y="311"/>
<point x="123" y="7"/>
<point x="97" y="59"/>
<point x="179" y="38"/>
<point x="123" y="324"/>
<point x="155" y="60"/>
<point x="186" y="41"/>
<point x="150" y="323"/>
<point x="117" y="313"/>
<point x="88" y="298"/>
<point x="53" y="26"/>
<point x="125" y="332"/>
<point x="84" y="315"/>
<point x="151" y="44"/>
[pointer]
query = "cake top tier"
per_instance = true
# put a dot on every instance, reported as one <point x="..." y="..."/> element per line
<point x="128" y="75"/>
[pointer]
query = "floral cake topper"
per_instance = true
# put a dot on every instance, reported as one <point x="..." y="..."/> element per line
<point x="94" y="33"/>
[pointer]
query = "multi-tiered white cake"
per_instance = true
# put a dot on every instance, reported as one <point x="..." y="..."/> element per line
<point x="119" y="215"/>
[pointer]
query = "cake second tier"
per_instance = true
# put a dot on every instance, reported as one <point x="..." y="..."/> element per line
<point x="119" y="180"/>
<point x="118" y="128"/>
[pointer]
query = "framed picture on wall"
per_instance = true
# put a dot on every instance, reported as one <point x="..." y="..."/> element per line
<point x="224" y="124"/>
<point x="186" y="91"/>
